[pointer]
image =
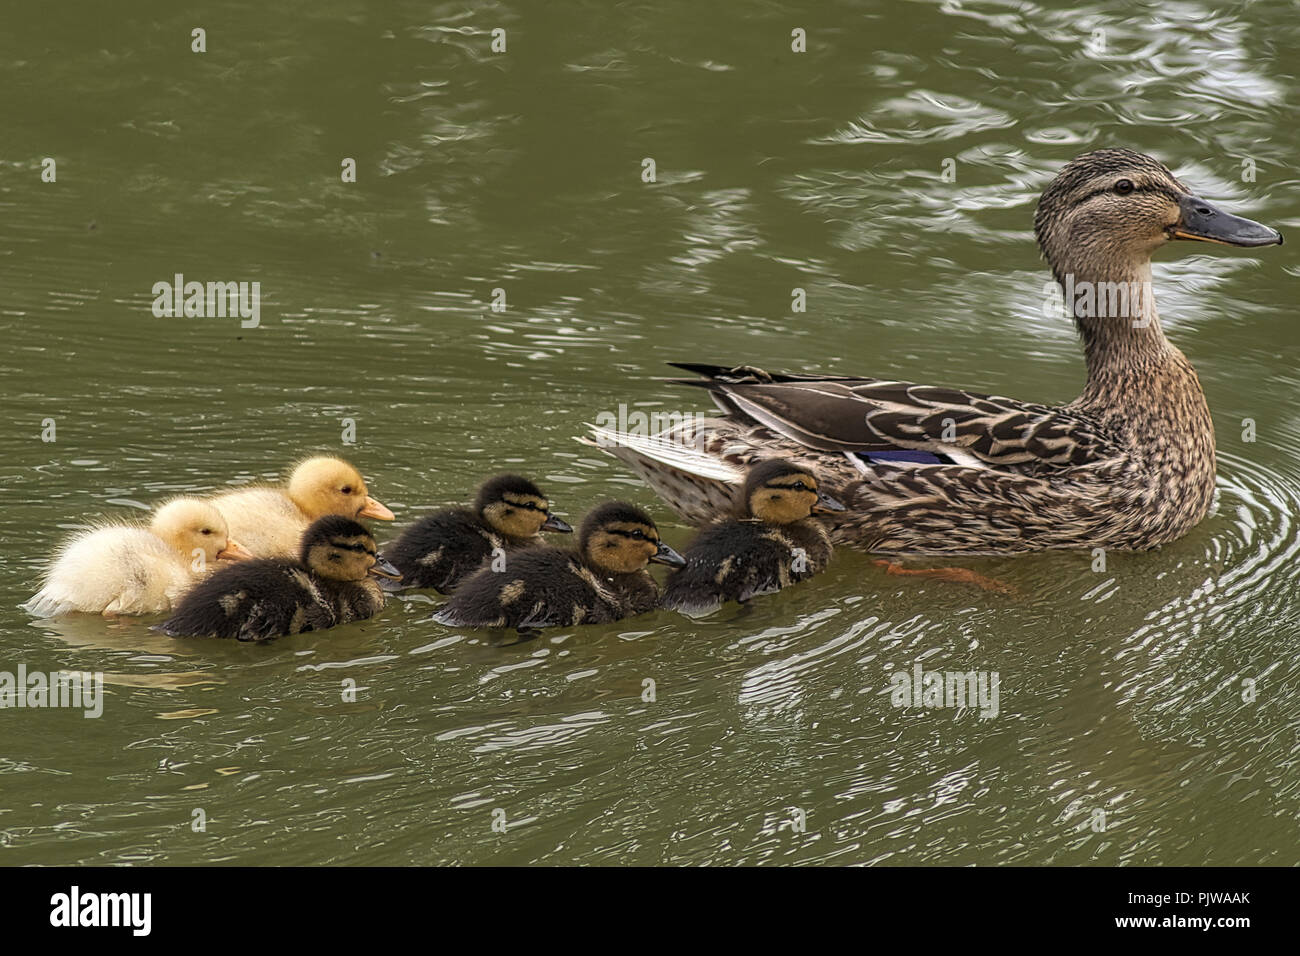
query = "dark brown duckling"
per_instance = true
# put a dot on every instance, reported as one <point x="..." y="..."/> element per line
<point x="443" y="549"/>
<point x="772" y="542"/>
<point x="331" y="583"/>
<point x="604" y="580"/>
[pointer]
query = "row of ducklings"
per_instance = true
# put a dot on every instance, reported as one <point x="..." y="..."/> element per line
<point x="773" y="540"/>
<point x="490" y="556"/>
<point x="500" y="576"/>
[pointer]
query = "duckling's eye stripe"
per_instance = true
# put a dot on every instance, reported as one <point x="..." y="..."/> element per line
<point x="531" y="504"/>
<point x="632" y="534"/>
<point x="358" y="548"/>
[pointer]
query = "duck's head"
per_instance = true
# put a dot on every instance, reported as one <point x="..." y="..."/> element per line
<point x="189" y="525"/>
<point x="1108" y="210"/>
<point x="330" y="486"/>
<point x="778" y="491"/>
<point x="516" y="507"/>
<point x="619" y="538"/>
<point x="340" y="549"/>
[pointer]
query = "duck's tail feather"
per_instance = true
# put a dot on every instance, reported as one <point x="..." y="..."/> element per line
<point x="698" y="486"/>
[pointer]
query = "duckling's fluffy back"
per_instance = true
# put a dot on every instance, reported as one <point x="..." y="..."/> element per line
<point x="442" y="549"/>
<point x="736" y="560"/>
<point x="547" y="587"/>
<point x="261" y="599"/>
<point x="114" y="570"/>
<point x="264" y="520"/>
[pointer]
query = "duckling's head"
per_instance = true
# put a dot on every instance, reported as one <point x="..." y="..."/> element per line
<point x="778" y="491"/>
<point x="330" y="486"/>
<point x="516" y="507"/>
<point x="619" y="538"/>
<point x="338" y="548"/>
<point x="1108" y="210"/>
<point x="190" y="525"/>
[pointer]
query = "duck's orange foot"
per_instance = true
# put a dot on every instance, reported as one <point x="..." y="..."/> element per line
<point x="957" y="575"/>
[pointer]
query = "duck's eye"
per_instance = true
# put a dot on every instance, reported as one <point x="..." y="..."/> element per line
<point x="207" y="531"/>
<point x="347" y="489"/>
<point x="1124" y="187"/>
<point x="800" y="486"/>
<point x="639" y="535"/>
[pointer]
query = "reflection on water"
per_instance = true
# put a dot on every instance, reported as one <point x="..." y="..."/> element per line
<point x="890" y="172"/>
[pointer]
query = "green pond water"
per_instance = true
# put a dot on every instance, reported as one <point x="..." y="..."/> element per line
<point x="1147" y="711"/>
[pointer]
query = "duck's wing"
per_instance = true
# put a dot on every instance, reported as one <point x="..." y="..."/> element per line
<point x="868" y="416"/>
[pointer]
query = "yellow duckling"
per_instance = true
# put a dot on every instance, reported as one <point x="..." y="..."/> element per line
<point x="120" y="569"/>
<point x="270" y="521"/>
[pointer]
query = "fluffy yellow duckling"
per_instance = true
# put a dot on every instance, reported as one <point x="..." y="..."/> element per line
<point x="122" y="569"/>
<point x="270" y="521"/>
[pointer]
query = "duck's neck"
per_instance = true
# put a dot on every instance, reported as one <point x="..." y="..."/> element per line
<point x="1115" y="311"/>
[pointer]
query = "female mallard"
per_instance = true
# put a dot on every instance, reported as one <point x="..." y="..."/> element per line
<point x="1127" y="465"/>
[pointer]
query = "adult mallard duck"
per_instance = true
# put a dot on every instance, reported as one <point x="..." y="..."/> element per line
<point x="936" y="470"/>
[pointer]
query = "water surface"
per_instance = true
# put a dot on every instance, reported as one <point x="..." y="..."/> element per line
<point x="1122" y="691"/>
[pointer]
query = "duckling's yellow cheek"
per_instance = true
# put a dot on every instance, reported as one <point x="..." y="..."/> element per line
<point x="525" y="524"/>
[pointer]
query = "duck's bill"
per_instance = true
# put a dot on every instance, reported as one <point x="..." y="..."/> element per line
<point x="234" y="551"/>
<point x="1206" y="222"/>
<point x="553" y="523"/>
<point x="373" y="509"/>
<point x="666" y="555"/>
<point x="827" y="505"/>
<point x="384" y="569"/>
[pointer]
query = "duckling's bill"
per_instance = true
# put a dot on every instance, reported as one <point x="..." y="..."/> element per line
<point x="666" y="555"/>
<point x="234" y="551"/>
<point x="827" y="505"/>
<point x="385" y="569"/>
<point x="373" y="509"/>
<point x="553" y="523"/>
